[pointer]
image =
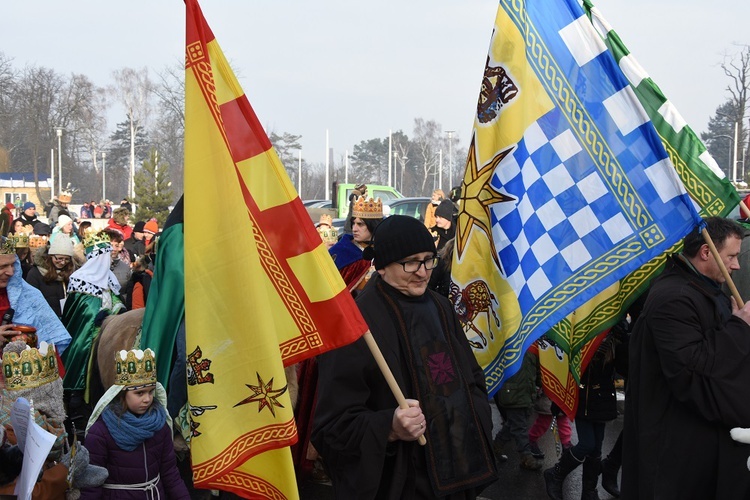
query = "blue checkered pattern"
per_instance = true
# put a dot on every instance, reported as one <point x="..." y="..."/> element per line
<point x="566" y="215"/>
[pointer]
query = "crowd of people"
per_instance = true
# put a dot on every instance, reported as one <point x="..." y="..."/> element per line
<point x="682" y="350"/>
<point x="58" y="279"/>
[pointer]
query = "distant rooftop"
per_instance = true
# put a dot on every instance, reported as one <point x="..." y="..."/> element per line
<point x="22" y="179"/>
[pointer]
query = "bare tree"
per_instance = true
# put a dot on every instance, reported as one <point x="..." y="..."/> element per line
<point x="426" y="142"/>
<point x="133" y="89"/>
<point x="168" y="133"/>
<point x="737" y="69"/>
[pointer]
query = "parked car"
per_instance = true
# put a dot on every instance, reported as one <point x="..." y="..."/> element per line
<point x="307" y="203"/>
<point x="413" y="207"/>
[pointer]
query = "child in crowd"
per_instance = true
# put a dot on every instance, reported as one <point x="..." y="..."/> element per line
<point x="546" y="410"/>
<point x="129" y="433"/>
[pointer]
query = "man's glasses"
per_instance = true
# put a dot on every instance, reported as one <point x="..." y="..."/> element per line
<point x="412" y="266"/>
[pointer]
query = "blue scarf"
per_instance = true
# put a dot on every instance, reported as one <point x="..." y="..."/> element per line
<point x="130" y="430"/>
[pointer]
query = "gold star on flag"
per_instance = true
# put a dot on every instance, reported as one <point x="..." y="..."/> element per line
<point x="264" y="395"/>
<point x="477" y="197"/>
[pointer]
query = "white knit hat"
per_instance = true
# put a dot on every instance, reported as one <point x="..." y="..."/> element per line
<point x="61" y="245"/>
<point x="62" y="220"/>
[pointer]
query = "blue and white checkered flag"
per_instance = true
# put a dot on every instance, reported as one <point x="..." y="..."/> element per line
<point x="567" y="186"/>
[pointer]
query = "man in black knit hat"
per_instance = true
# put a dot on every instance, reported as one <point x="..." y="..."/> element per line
<point x="368" y="444"/>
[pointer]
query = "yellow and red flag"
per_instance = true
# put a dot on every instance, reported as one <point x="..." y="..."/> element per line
<point x="261" y="291"/>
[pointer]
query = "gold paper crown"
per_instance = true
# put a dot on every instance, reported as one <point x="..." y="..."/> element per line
<point x="135" y="368"/>
<point x="31" y="368"/>
<point x="325" y="219"/>
<point x="94" y="238"/>
<point x="21" y="240"/>
<point x="36" y="241"/>
<point x="328" y="234"/>
<point x="368" y="209"/>
<point x="7" y="246"/>
<point x="65" y="196"/>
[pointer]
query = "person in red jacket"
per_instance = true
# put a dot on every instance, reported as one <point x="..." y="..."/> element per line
<point x="119" y="221"/>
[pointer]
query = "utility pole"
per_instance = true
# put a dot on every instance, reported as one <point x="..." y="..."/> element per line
<point x="450" y="158"/>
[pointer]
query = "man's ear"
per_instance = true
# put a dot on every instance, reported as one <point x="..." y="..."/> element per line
<point x="381" y="272"/>
<point x="705" y="252"/>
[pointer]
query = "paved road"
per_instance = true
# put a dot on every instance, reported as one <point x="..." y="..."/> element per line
<point x="514" y="483"/>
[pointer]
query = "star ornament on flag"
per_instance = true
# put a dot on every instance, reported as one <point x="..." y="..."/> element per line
<point x="478" y="196"/>
<point x="264" y="394"/>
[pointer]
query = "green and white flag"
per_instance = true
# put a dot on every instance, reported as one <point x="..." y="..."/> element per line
<point x="705" y="183"/>
<point x="703" y="179"/>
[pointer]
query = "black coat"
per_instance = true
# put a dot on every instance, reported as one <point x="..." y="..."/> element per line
<point x="597" y="398"/>
<point x="355" y="408"/>
<point x="688" y="385"/>
<point x="53" y="291"/>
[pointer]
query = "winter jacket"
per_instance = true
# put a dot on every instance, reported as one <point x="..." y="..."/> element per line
<point x="597" y="398"/>
<point x="136" y="292"/>
<point x="155" y="456"/>
<point x="53" y="291"/>
<point x="126" y="230"/>
<point x="520" y="389"/>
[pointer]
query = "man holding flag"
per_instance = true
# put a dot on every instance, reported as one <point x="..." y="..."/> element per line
<point x="367" y="443"/>
<point x="688" y="379"/>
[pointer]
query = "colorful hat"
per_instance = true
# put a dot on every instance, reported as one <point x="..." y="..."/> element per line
<point x="368" y="208"/>
<point x="151" y="227"/>
<point x="95" y="240"/>
<point x="327" y="232"/>
<point x="65" y="196"/>
<point x="28" y="205"/>
<point x="30" y="368"/>
<point x="135" y="368"/>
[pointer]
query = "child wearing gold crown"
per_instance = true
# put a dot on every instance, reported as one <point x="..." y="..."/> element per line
<point x="129" y="433"/>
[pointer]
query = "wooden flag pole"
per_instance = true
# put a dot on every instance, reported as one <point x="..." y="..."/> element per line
<point x="388" y="374"/>
<point x="724" y="272"/>
<point x="744" y="211"/>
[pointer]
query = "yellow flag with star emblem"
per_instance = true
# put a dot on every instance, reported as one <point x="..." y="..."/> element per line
<point x="261" y="290"/>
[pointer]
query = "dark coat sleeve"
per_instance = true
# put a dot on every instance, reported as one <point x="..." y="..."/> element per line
<point x="353" y="418"/>
<point x="705" y="366"/>
<point x="96" y="443"/>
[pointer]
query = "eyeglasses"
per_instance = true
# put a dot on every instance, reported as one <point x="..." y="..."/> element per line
<point x="412" y="266"/>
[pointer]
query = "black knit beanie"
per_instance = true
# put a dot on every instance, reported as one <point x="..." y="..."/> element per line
<point x="445" y="210"/>
<point x="399" y="236"/>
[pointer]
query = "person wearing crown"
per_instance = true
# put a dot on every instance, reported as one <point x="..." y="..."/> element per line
<point x="92" y="295"/>
<point x="327" y="232"/>
<point x="27" y="304"/>
<point x="367" y="213"/>
<point x="59" y="207"/>
<point x="32" y="374"/>
<point x="129" y="433"/>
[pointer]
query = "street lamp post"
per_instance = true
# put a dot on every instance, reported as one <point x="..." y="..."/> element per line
<point x="729" y="156"/>
<point x="104" y="175"/>
<point x="450" y="158"/>
<point x="59" y="159"/>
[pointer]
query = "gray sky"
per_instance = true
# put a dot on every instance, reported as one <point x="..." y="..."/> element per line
<point x="361" y="68"/>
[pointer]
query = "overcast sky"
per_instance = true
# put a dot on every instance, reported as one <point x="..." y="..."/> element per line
<point x="361" y="68"/>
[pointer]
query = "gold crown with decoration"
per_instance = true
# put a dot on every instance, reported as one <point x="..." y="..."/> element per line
<point x="95" y="239"/>
<point x="65" y="196"/>
<point x="368" y="208"/>
<point x="135" y="368"/>
<point x="30" y="368"/>
<point x="21" y="240"/>
<point x="7" y="246"/>
<point x="36" y="241"/>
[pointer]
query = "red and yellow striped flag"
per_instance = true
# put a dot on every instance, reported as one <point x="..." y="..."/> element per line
<point x="261" y="291"/>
